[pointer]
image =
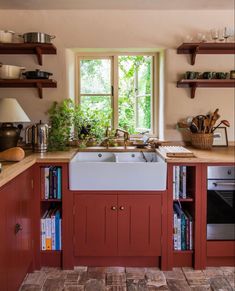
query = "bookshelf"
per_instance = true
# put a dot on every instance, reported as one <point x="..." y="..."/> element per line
<point x="51" y="188"/>
<point x="183" y="185"/>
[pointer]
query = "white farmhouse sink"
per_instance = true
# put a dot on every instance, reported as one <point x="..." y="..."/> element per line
<point x="117" y="171"/>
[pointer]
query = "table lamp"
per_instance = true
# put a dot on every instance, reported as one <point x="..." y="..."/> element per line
<point x="10" y="112"/>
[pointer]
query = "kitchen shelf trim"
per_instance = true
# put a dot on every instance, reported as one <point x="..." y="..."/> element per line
<point x="24" y="83"/>
<point x="205" y="48"/>
<point x="194" y="84"/>
<point x="39" y="49"/>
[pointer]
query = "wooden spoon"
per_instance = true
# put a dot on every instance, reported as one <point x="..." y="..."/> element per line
<point x="15" y="154"/>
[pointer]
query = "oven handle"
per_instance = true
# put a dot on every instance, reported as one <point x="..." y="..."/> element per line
<point x="224" y="184"/>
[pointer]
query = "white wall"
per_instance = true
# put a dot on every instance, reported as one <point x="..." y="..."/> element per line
<point x="125" y="29"/>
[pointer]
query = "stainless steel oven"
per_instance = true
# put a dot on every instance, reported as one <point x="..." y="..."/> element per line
<point x="220" y="203"/>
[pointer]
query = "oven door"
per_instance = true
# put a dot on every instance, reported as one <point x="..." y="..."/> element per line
<point x="220" y="210"/>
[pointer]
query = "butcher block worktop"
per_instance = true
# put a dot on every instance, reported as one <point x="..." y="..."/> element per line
<point x="215" y="155"/>
<point x="12" y="169"/>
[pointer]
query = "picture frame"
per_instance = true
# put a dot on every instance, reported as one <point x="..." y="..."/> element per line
<point x="220" y="137"/>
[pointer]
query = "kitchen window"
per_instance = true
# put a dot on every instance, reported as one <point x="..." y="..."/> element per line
<point x="123" y="86"/>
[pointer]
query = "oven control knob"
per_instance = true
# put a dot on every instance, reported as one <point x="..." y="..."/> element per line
<point x="229" y="172"/>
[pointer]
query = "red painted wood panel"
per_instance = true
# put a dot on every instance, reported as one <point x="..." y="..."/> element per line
<point x="3" y="240"/>
<point x="95" y="225"/>
<point x="16" y="247"/>
<point x="13" y="239"/>
<point x="139" y="225"/>
<point x="221" y="249"/>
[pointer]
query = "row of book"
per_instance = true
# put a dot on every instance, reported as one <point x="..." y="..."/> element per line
<point x="179" y="182"/>
<point x="182" y="229"/>
<point x="51" y="184"/>
<point x="51" y="230"/>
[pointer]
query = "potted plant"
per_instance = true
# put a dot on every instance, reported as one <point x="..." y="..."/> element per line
<point x="89" y="126"/>
<point x="61" y="121"/>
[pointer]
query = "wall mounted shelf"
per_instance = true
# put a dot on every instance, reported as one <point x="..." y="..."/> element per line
<point x="39" y="49"/>
<point x="24" y="83"/>
<point x="194" y="84"/>
<point x="205" y="48"/>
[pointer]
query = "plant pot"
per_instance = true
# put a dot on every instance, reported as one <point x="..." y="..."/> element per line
<point x="202" y="141"/>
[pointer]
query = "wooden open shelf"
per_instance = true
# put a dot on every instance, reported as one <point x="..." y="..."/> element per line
<point x="206" y="48"/>
<point x="25" y="83"/>
<point x="39" y="49"/>
<point x="215" y="83"/>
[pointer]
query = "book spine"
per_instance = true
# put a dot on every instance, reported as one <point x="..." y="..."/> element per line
<point x="183" y="232"/>
<point x="60" y="235"/>
<point x="191" y="235"/>
<point x="175" y="232"/>
<point x="174" y="170"/>
<point x="177" y="181"/>
<point x="184" y="169"/>
<point x="43" y="235"/>
<point x="187" y="233"/>
<point x="53" y="233"/>
<point x="59" y="185"/>
<point x="46" y="183"/>
<point x="179" y="233"/>
<point x="51" y="183"/>
<point x="55" y="183"/>
<point x="48" y="233"/>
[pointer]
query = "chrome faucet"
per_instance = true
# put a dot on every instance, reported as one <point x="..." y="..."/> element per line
<point x="126" y="135"/>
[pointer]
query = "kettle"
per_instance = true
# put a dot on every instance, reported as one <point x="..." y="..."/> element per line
<point x="37" y="135"/>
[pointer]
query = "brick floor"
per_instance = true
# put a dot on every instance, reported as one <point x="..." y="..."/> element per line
<point x="130" y="279"/>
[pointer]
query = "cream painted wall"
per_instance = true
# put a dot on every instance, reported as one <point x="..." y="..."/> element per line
<point x="124" y="29"/>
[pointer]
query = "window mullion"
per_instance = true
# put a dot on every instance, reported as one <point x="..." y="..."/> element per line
<point x="115" y="91"/>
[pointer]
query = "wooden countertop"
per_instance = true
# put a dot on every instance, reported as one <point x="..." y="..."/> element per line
<point x="11" y="169"/>
<point x="215" y="155"/>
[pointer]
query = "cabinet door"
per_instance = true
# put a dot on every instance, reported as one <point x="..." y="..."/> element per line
<point x="18" y="246"/>
<point x="95" y="225"/>
<point x="26" y="235"/>
<point x="139" y="225"/>
<point x="13" y="238"/>
<point x="3" y="241"/>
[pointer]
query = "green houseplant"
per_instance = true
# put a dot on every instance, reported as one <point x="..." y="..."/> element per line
<point x="61" y="121"/>
<point x="71" y="122"/>
<point x="89" y="125"/>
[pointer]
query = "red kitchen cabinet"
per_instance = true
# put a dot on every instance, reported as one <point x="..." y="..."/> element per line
<point x="139" y="225"/>
<point x="117" y="224"/>
<point x="3" y="241"/>
<point x="16" y="231"/>
<point x="95" y="220"/>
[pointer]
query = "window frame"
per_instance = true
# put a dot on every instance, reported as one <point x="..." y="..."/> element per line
<point x="114" y="82"/>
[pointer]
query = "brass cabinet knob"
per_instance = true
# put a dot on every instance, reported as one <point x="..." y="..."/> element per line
<point x="113" y="207"/>
<point x="121" y="208"/>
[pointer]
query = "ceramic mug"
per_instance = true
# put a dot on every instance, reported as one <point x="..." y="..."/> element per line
<point x="190" y="75"/>
<point x="221" y="75"/>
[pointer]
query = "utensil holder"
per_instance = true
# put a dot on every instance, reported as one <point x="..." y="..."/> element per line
<point x="202" y="141"/>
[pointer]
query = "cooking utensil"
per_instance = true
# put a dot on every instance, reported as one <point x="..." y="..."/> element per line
<point x="206" y="124"/>
<point x="37" y="37"/>
<point x="10" y="72"/>
<point x="193" y="127"/>
<point x="37" y="135"/>
<point x="214" y="117"/>
<point x="15" y="154"/>
<point x="6" y="36"/>
<point x="224" y="122"/>
<point x="37" y="74"/>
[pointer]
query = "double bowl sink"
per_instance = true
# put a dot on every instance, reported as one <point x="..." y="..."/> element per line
<point x="117" y="171"/>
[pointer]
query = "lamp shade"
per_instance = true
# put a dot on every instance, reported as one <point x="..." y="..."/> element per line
<point x="11" y="111"/>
